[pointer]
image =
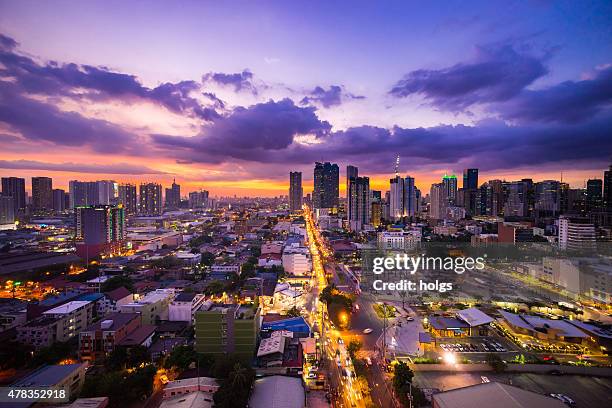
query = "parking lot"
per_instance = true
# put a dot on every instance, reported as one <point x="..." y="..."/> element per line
<point x="474" y="346"/>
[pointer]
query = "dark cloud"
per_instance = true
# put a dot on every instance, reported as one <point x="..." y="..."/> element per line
<point x="570" y="101"/>
<point x="239" y="81"/>
<point x="7" y="43"/>
<point x="118" y="168"/>
<point x="255" y="133"/>
<point x="53" y="78"/>
<point x="496" y="74"/>
<point x="328" y="98"/>
<point x="40" y="121"/>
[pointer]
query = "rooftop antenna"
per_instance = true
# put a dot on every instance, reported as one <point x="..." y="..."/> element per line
<point x="397" y="166"/>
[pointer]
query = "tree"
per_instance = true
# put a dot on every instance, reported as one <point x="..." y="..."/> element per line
<point x="207" y="258"/>
<point x="235" y="389"/>
<point x="117" y="282"/>
<point x="293" y="312"/>
<point x="215" y="287"/>
<point x="402" y="384"/>
<point x="138" y="355"/>
<point x="496" y="362"/>
<point x="353" y="348"/>
<point x="117" y="359"/>
<point x="181" y="357"/>
<point x="52" y="355"/>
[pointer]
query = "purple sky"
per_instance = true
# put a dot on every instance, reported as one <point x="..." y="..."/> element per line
<point x="231" y="97"/>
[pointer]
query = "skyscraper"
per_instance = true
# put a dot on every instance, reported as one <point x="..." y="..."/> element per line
<point x="438" y="201"/>
<point x="594" y="197"/>
<point x="490" y="198"/>
<point x="351" y="172"/>
<point x="402" y="196"/>
<point x="359" y="202"/>
<point x="450" y="186"/>
<point x="15" y="187"/>
<point x="107" y="192"/>
<point x="326" y="185"/>
<point x="99" y="229"/>
<point x="7" y="209"/>
<point x="198" y="199"/>
<point x="150" y="199"/>
<point x="295" y="191"/>
<point x="127" y="197"/>
<point x="84" y="193"/>
<point x="519" y="202"/>
<point x="607" y="189"/>
<point x="547" y="198"/>
<point x="59" y="200"/>
<point x="173" y="195"/>
<point x="42" y="193"/>
<point x="470" y="178"/>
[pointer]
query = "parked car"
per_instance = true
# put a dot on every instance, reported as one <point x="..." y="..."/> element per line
<point x="367" y="331"/>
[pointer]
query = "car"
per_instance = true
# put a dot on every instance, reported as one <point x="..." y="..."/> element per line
<point x="311" y="375"/>
<point x="409" y="318"/>
<point x="368" y="361"/>
<point x="367" y="331"/>
<point x="340" y="341"/>
<point x="484" y="379"/>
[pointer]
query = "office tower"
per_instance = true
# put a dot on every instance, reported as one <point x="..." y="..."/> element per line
<point x="83" y="193"/>
<point x="15" y="187"/>
<point x="594" y="197"/>
<point x="576" y="233"/>
<point x="326" y="185"/>
<point x="295" y="191"/>
<point x="59" y="200"/>
<point x="107" y="192"/>
<point x="377" y="212"/>
<point x="519" y="202"/>
<point x="359" y="203"/>
<point x="450" y="186"/>
<point x="376" y="196"/>
<point x="402" y="196"/>
<point x="438" y="201"/>
<point x="470" y="178"/>
<point x="490" y="198"/>
<point x="7" y="209"/>
<point x="99" y="230"/>
<point x="351" y="172"/>
<point x="42" y="193"/>
<point x="127" y="198"/>
<point x="150" y="199"/>
<point x="607" y="189"/>
<point x="199" y="199"/>
<point x="417" y="203"/>
<point x="173" y="195"/>
<point x="575" y="201"/>
<point x="547" y="198"/>
<point x="410" y="198"/>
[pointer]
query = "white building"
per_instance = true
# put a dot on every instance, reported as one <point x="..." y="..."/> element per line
<point x="188" y="258"/>
<point x="184" y="306"/>
<point x="399" y="240"/>
<point x="296" y="260"/>
<point x="153" y="307"/>
<point x="576" y="233"/>
<point x="74" y="316"/>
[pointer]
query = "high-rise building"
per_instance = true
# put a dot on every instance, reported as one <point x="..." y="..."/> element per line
<point x="295" y="191"/>
<point x="359" y="203"/>
<point x="326" y="185"/>
<point x="490" y="198"/>
<point x="607" y="189"/>
<point x="402" y="196"/>
<point x="547" y="198"/>
<point x="576" y="233"/>
<point x="83" y="193"/>
<point x="7" y="209"/>
<point x="150" y="199"/>
<point x="59" y="200"/>
<point x="42" y="193"/>
<point x="594" y="197"/>
<point x="351" y="172"/>
<point x="450" y="186"/>
<point x="520" y="199"/>
<point x="127" y="198"/>
<point x="15" y="187"/>
<point x="470" y="178"/>
<point x="438" y="201"/>
<point x="199" y="199"/>
<point x="173" y="195"/>
<point x="99" y="229"/>
<point x="107" y="192"/>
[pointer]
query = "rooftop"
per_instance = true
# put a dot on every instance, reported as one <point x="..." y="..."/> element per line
<point x="446" y="323"/>
<point x="118" y="294"/>
<point x="196" y="399"/>
<point x="278" y="392"/>
<point x="69" y="307"/>
<point x="118" y="320"/>
<point x="494" y="394"/>
<point x="138" y="336"/>
<point x="47" y="376"/>
<point x="474" y="317"/>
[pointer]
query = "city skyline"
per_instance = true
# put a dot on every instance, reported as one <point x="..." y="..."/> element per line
<point x="513" y="97"/>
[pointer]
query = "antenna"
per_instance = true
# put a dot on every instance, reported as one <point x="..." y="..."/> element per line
<point x="397" y="166"/>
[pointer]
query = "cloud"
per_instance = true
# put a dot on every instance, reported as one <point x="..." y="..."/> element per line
<point x="241" y="81"/>
<point x="78" y="81"/>
<point x="256" y="133"/>
<point x="328" y="98"/>
<point x="569" y="101"/>
<point x="118" y="168"/>
<point x="496" y="74"/>
<point x="40" y="121"/>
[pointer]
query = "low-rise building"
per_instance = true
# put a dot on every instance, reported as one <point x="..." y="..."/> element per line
<point x="40" y="332"/>
<point x="190" y="385"/>
<point x="114" y="299"/>
<point x="73" y="317"/>
<point x="184" y="306"/>
<point x="100" y="338"/>
<point x="70" y="377"/>
<point x="296" y="260"/>
<point x="153" y="307"/>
